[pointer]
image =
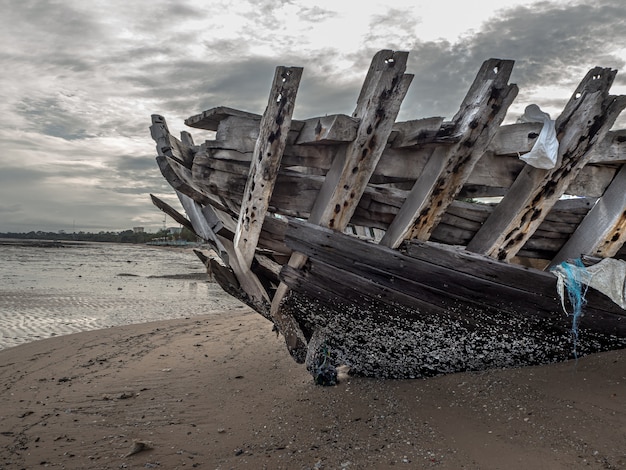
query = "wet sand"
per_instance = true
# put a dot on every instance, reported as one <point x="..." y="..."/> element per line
<point x="220" y="392"/>
<point x="53" y="289"/>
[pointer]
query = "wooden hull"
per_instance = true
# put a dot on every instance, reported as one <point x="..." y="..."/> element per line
<point x="394" y="315"/>
<point x="369" y="242"/>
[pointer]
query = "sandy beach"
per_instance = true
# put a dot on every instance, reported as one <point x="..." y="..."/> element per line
<point x="221" y="392"/>
<point x="127" y="357"/>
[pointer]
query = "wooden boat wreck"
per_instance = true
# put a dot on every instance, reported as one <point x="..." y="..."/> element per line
<point x="370" y="242"/>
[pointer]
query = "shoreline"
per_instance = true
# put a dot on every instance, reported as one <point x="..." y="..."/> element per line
<point x="220" y="391"/>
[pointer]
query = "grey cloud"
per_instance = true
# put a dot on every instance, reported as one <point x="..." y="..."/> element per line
<point x="551" y="45"/>
<point x="48" y="116"/>
<point x="111" y="65"/>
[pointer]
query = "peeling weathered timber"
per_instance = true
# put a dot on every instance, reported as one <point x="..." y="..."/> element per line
<point x="476" y="122"/>
<point x="586" y="119"/>
<point x="398" y="295"/>
<point x="265" y="161"/>
<point x="603" y="231"/>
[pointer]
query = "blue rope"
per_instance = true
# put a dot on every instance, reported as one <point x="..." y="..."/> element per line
<point x="324" y="372"/>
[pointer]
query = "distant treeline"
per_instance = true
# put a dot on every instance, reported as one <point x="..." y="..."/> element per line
<point x="127" y="236"/>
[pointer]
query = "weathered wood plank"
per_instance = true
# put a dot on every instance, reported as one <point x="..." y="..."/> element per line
<point x="515" y="139"/>
<point x="415" y="132"/>
<point x="211" y="118"/>
<point x="333" y="129"/>
<point x="379" y="103"/>
<point x="603" y="231"/>
<point x="445" y="173"/>
<point x="266" y="161"/>
<point x="492" y="175"/>
<point x="587" y="117"/>
<point x="435" y="274"/>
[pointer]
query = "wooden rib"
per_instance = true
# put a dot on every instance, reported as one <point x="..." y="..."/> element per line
<point x="266" y="161"/>
<point x="586" y="119"/>
<point x="378" y="105"/>
<point x="447" y="170"/>
<point x="603" y="231"/>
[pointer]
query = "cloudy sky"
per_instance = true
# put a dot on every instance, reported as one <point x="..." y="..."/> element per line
<point x="80" y="80"/>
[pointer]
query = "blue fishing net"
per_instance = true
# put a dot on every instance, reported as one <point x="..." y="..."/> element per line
<point x="576" y="279"/>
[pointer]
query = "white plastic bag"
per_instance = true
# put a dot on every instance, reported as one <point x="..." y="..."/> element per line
<point x="544" y="153"/>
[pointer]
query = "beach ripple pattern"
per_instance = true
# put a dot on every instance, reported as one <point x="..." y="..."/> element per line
<point x="47" y="292"/>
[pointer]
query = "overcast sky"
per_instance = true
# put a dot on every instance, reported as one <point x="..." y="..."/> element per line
<point x="80" y="80"/>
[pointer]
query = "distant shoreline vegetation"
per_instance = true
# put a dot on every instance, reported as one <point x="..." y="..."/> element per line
<point x="126" y="236"/>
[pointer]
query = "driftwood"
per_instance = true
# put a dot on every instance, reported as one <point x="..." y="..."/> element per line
<point x="427" y="243"/>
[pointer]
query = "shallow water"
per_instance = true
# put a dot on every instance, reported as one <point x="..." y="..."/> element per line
<point x="55" y="289"/>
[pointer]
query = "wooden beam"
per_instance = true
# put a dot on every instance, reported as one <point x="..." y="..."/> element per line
<point x="586" y="119"/>
<point x="447" y="170"/>
<point x="266" y="161"/>
<point x="603" y="231"/>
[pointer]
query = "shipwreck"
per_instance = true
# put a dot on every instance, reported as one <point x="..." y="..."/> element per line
<point x="416" y="248"/>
